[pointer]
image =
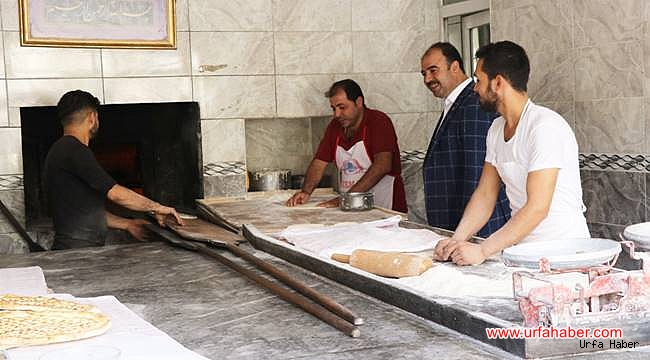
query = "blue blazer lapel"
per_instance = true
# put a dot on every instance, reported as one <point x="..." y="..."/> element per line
<point x="451" y="115"/>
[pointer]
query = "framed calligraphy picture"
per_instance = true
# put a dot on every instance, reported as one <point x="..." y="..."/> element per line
<point x="98" y="23"/>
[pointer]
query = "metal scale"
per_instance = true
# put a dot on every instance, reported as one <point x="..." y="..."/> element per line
<point x="586" y="296"/>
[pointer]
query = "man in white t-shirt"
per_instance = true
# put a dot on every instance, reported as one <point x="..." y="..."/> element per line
<point x="530" y="149"/>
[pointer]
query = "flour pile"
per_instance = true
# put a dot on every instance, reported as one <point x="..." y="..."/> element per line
<point x="447" y="280"/>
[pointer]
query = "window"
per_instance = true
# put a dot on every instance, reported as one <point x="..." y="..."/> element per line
<point x="467" y="27"/>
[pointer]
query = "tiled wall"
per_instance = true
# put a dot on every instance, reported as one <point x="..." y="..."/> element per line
<point x="281" y="56"/>
<point x="588" y="62"/>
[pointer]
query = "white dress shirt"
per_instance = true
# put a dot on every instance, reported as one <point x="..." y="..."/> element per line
<point x="453" y="95"/>
<point x="449" y="101"/>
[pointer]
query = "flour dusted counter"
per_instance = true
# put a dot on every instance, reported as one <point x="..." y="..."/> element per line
<point x="221" y="315"/>
<point x="465" y="299"/>
<point x="468" y="300"/>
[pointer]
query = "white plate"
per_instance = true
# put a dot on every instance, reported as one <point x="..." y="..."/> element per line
<point x="562" y="254"/>
<point x="639" y="234"/>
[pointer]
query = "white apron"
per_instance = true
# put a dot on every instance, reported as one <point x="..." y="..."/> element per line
<point x="353" y="164"/>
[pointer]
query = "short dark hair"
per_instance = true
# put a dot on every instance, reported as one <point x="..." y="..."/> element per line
<point x="449" y="52"/>
<point x="74" y="101"/>
<point x="351" y="88"/>
<point x="507" y="59"/>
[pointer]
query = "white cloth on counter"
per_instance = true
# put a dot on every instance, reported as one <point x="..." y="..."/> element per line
<point x="381" y="235"/>
<point x="28" y="281"/>
<point x="136" y="338"/>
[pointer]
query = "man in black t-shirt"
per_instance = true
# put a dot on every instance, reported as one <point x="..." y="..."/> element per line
<point x="78" y="187"/>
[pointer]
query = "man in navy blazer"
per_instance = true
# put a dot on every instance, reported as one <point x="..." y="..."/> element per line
<point x="456" y="153"/>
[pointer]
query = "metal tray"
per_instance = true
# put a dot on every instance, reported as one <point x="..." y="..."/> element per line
<point x="563" y="254"/>
<point x="639" y="234"/>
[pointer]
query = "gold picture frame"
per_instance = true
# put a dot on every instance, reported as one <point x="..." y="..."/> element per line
<point x="144" y="24"/>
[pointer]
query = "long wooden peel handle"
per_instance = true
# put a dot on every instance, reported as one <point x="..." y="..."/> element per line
<point x="341" y="258"/>
<point x="286" y="295"/>
<point x="298" y="285"/>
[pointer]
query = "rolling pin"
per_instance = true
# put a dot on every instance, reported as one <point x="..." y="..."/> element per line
<point x="388" y="264"/>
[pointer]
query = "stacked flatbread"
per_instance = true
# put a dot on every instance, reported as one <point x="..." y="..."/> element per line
<point x="38" y="320"/>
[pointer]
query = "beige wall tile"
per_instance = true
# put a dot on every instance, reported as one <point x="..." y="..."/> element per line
<point x="151" y="89"/>
<point x="4" y="109"/>
<point x="502" y="24"/>
<point x="243" y="52"/>
<point x="313" y="52"/>
<point x="278" y="144"/>
<point x="223" y="140"/>
<point x="42" y="62"/>
<point x="11" y="152"/>
<point x="2" y="60"/>
<point x="10" y="16"/>
<point x="646" y="60"/>
<point x="646" y="109"/>
<point x="230" y="15"/>
<point x="388" y="15"/>
<point x="47" y="92"/>
<point x="597" y="22"/>
<point x="182" y="15"/>
<point x="565" y="108"/>
<point x="508" y="4"/>
<point x="543" y="26"/>
<point x="14" y="116"/>
<point x="311" y="15"/>
<point x="235" y="96"/>
<point x="611" y="126"/>
<point x="432" y="21"/>
<point x="552" y="75"/>
<point x="414" y="130"/>
<point x="394" y="92"/>
<point x="319" y="125"/>
<point x="131" y="62"/>
<point x="389" y="51"/>
<point x="609" y="71"/>
<point x="303" y="95"/>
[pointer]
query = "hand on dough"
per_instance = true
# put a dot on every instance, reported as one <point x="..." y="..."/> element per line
<point x="332" y="203"/>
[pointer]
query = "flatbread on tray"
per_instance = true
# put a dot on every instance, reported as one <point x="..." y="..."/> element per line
<point x="39" y="320"/>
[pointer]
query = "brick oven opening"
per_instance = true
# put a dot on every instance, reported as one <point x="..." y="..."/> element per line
<point x="153" y="149"/>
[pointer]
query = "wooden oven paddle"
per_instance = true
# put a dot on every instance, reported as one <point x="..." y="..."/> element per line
<point x="33" y="245"/>
<point x="202" y="232"/>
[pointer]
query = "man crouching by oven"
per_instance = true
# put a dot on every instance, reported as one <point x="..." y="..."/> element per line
<point x="77" y="186"/>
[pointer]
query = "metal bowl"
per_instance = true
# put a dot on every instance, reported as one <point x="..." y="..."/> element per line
<point x="357" y="201"/>
<point x="270" y="179"/>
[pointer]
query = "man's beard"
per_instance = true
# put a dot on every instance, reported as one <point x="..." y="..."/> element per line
<point x="489" y="104"/>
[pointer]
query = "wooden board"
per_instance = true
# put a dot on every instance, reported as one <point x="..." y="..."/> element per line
<point x="267" y="212"/>
<point x="204" y="231"/>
